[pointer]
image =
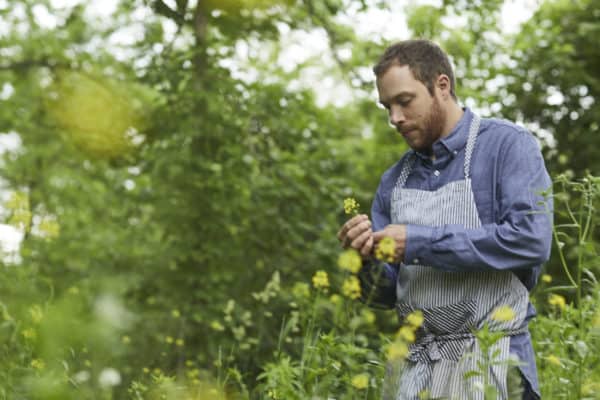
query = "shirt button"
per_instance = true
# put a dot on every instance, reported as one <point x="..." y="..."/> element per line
<point x="416" y="261"/>
<point x="455" y="152"/>
<point x="436" y="172"/>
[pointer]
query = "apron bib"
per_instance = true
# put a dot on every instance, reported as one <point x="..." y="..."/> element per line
<point x="453" y="303"/>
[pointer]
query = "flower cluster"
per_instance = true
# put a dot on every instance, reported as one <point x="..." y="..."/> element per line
<point x="350" y="260"/>
<point x="406" y="335"/>
<point x="386" y="250"/>
<point x="503" y="313"/>
<point x="351" y="206"/>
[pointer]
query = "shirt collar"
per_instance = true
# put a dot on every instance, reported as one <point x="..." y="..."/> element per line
<point x="455" y="140"/>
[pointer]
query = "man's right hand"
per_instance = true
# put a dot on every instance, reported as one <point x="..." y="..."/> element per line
<point x="357" y="234"/>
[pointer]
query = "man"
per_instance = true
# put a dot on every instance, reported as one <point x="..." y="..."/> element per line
<point x="470" y="225"/>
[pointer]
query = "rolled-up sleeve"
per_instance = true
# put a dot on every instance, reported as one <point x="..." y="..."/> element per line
<point x="521" y="235"/>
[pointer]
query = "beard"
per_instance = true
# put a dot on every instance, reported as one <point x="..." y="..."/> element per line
<point x="433" y="127"/>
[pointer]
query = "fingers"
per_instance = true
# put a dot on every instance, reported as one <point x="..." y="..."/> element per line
<point x="361" y="239"/>
<point x="345" y="235"/>
<point x="367" y="247"/>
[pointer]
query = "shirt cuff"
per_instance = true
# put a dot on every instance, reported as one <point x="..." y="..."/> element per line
<point x="418" y="243"/>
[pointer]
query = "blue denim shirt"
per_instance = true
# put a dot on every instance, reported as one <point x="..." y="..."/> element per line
<point x="508" y="176"/>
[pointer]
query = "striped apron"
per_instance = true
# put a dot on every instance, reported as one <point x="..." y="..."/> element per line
<point x="454" y="304"/>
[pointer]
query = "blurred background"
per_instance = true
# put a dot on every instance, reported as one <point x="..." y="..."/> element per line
<point x="172" y="175"/>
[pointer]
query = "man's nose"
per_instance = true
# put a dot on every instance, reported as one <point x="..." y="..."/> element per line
<point x="396" y="116"/>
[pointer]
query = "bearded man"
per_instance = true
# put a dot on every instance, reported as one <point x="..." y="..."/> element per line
<point x="471" y="226"/>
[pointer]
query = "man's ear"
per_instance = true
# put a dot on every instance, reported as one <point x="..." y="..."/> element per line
<point x="443" y="84"/>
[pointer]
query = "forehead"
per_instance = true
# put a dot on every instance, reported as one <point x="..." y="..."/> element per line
<point x="397" y="80"/>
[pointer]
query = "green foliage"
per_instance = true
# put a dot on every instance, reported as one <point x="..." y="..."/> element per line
<point x="173" y="209"/>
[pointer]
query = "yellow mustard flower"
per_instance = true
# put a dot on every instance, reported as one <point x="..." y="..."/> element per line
<point x="320" y="280"/>
<point x="546" y="278"/>
<point x="38" y="364"/>
<point x="360" y="381"/>
<point x="397" y="350"/>
<point x="301" y="290"/>
<point x="335" y="299"/>
<point x="179" y="342"/>
<point x="126" y="339"/>
<point x="36" y="314"/>
<point x="351" y="287"/>
<point x="552" y="359"/>
<point x="415" y="318"/>
<point x="351" y="206"/>
<point x="386" y="249"/>
<point x="350" y="261"/>
<point x="557" y="300"/>
<point x="406" y="333"/>
<point x="503" y="313"/>
<point x="368" y="315"/>
<point x="169" y="339"/>
<point x="217" y="326"/>
<point x="175" y="313"/>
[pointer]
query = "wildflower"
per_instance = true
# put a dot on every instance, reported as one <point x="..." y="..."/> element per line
<point x="350" y="261"/>
<point x="386" y="249"/>
<point x="126" y="339"/>
<point x="73" y="290"/>
<point x="38" y="364"/>
<point x="552" y="359"/>
<point x="169" y="339"/>
<point x="179" y="342"/>
<point x="320" y="280"/>
<point x="351" y="287"/>
<point x="546" y="278"/>
<point x="557" y="300"/>
<point x="301" y="290"/>
<point x="368" y="315"/>
<point x="36" y="314"/>
<point x="406" y="333"/>
<point x="335" y="299"/>
<point x="29" y="333"/>
<point x="503" y="314"/>
<point x="415" y="318"/>
<point x="351" y="206"/>
<point x="146" y="370"/>
<point x="175" y="313"/>
<point x="217" y="326"/>
<point x="109" y="377"/>
<point x="360" y="381"/>
<point x="397" y="350"/>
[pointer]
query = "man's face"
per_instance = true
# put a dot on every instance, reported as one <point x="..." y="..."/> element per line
<point x="413" y="111"/>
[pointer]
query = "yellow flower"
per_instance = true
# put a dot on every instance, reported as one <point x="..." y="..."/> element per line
<point x="146" y="370"/>
<point x="350" y="261"/>
<point x="179" y="342"/>
<point x="320" y="280"/>
<point x="169" y="339"/>
<point x="415" y="318"/>
<point x="503" y="314"/>
<point x="38" y="364"/>
<point x="36" y="314"/>
<point x="126" y="339"/>
<point x="335" y="299"/>
<point x="351" y="287"/>
<point x="175" y="313"/>
<point x="406" y="333"/>
<point x="546" y="278"/>
<point x="557" y="300"/>
<point x="217" y="326"/>
<point x="301" y="290"/>
<point x="397" y="350"/>
<point x="29" y="333"/>
<point x="351" y="206"/>
<point x="360" y="381"/>
<point x="552" y="359"/>
<point x="386" y="249"/>
<point x="368" y="315"/>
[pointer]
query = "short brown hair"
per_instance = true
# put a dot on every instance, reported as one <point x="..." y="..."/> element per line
<point x="425" y="59"/>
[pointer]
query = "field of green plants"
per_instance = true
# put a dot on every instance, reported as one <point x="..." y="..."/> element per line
<point x="174" y="174"/>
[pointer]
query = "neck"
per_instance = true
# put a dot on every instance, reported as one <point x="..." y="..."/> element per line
<point x="453" y="114"/>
